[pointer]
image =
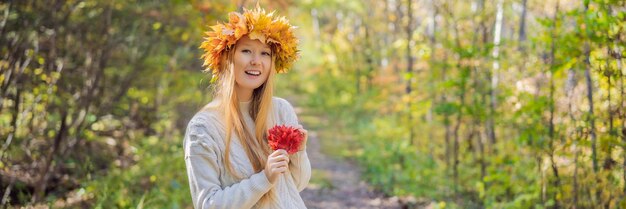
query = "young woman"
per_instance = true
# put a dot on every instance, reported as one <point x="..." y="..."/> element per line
<point x="229" y="162"/>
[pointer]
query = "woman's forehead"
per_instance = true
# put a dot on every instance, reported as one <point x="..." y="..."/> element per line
<point x="245" y="40"/>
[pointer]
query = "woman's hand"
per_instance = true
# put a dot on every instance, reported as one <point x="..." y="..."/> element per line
<point x="306" y="137"/>
<point x="277" y="163"/>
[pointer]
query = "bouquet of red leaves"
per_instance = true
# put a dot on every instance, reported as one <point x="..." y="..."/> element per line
<point x="285" y="137"/>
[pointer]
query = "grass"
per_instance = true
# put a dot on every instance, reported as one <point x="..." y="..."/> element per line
<point x="158" y="179"/>
<point x="320" y="180"/>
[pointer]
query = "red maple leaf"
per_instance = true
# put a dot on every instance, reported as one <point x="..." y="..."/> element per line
<point x="285" y="137"/>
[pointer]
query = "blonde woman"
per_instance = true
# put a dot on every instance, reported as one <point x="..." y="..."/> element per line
<point x="229" y="162"/>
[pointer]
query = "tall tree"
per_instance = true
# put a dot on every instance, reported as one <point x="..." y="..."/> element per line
<point x="495" y="72"/>
<point x="589" y="83"/>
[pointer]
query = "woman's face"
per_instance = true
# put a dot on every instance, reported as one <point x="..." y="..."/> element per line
<point x="252" y="63"/>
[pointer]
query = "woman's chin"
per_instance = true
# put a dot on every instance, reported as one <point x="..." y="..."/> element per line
<point x="251" y="86"/>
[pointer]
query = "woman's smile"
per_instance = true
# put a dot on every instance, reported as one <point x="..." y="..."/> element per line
<point x="254" y="73"/>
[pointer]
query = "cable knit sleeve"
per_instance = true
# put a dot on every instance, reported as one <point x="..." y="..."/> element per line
<point x="299" y="166"/>
<point x="204" y="164"/>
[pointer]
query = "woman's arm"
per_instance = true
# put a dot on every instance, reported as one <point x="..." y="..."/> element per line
<point x="299" y="165"/>
<point x="300" y="169"/>
<point x="203" y="170"/>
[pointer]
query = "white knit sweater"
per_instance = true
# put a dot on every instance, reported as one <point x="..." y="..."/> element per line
<point x="211" y="184"/>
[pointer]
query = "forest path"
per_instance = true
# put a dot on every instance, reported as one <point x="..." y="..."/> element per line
<point x="336" y="181"/>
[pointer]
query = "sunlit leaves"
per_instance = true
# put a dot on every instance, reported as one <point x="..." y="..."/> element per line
<point x="453" y="84"/>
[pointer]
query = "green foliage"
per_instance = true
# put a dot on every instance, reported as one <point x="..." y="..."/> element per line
<point x="157" y="180"/>
<point x="101" y="91"/>
<point x="393" y="165"/>
<point x="83" y="83"/>
<point x="434" y="142"/>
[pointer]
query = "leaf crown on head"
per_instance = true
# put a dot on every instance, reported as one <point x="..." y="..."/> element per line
<point x="276" y="32"/>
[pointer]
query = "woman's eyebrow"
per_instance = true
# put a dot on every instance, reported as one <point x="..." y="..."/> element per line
<point x="250" y="45"/>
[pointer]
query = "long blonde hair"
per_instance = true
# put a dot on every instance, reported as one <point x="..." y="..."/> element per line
<point x="256" y="148"/>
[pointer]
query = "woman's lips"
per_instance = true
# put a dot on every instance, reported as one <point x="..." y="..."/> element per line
<point x="253" y="72"/>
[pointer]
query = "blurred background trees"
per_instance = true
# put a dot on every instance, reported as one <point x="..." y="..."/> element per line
<point x="483" y="103"/>
<point x="85" y="83"/>
<point x="472" y="104"/>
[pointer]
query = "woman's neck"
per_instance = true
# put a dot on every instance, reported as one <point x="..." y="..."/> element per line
<point x="243" y="95"/>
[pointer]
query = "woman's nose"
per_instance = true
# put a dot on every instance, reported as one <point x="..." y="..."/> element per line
<point x="255" y="60"/>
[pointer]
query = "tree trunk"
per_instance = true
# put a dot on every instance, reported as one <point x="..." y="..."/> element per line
<point x="459" y="115"/>
<point x="409" y="65"/>
<point x="575" y="176"/>
<point x="557" y="180"/>
<point x="444" y="96"/>
<point x="522" y="27"/>
<point x="396" y="31"/>
<point x="476" y="85"/>
<point x="551" y="131"/>
<point x="409" y="56"/>
<point x="494" y="74"/>
<point x="475" y="132"/>
<point x="622" y="74"/>
<point x="370" y="55"/>
<point x="432" y="94"/>
<point x="16" y="111"/>
<point x="44" y="172"/>
<point x="356" y="62"/>
<point x="448" y="136"/>
<point x="5" y="15"/>
<point x="542" y="181"/>
<point x="576" y="135"/>
<point x="14" y="118"/>
<point x="608" y="161"/>
<point x="592" y="124"/>
<point x="457" y="126"/>
<point x="316" y="25"/>
<point x="11" y="78"/>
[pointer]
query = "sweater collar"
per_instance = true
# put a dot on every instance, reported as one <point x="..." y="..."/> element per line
<point x="245" y="106"/>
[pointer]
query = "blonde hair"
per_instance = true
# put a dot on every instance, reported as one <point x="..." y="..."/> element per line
<point x="256" y="148"/>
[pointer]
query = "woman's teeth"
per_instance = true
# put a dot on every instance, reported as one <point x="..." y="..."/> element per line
<point x="253" y="72"/>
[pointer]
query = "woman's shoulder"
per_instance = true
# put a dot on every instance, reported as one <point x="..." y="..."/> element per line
<point x="202" y="134"/>
<point x="205" y="120"/>
<point x="203" y="117"/>
<point x="285" y="111"/>
<point x="204" y="130"/>
<point x="280" y="103"/>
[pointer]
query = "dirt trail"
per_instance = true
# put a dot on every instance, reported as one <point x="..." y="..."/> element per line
<point x="337" y="184"/>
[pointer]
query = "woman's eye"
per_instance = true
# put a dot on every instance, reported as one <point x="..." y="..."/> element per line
<point x="246" y="51"/>
<point x="267" y="54"/>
